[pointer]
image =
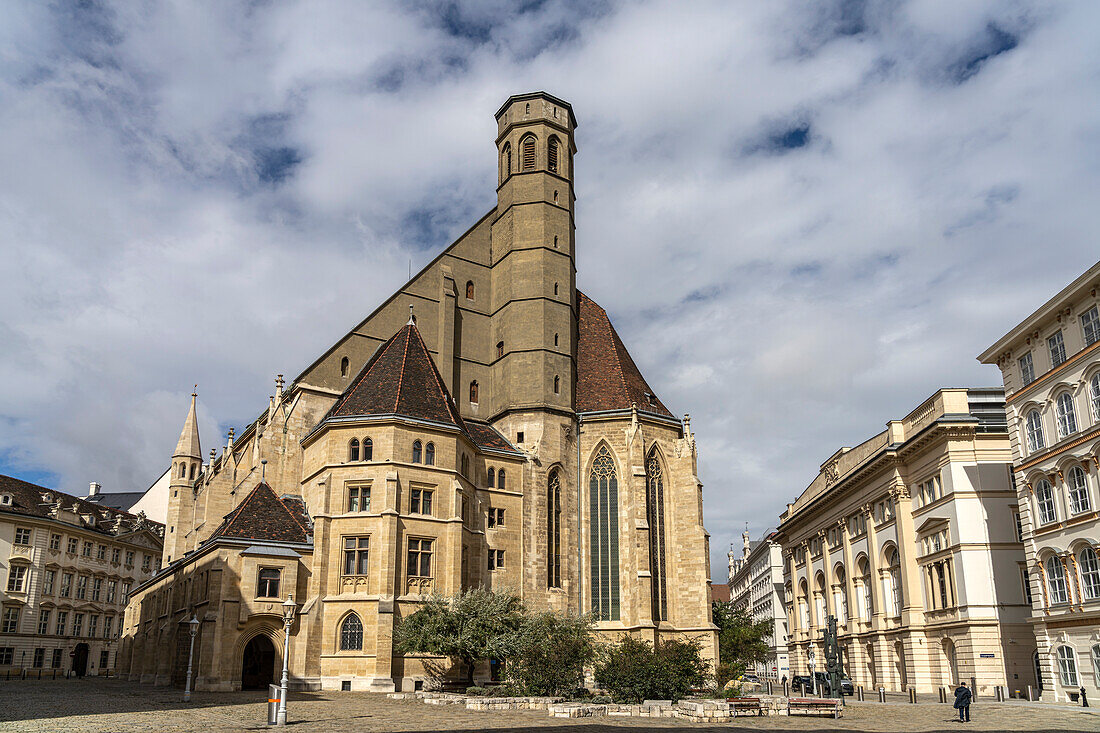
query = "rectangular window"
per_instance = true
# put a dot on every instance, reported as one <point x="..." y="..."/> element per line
<point x="421" y="502"/>
<point x="1027" y="369"/>
<point x="66" y="585"/>
<point x="268" y="584"/>
<point x="47" y="582"/>
<point x="359" y="499"/>
<point x="129" y="558"/>
<point x="1090" y="326"/>
<point x="44" y="622"/>
<point x="17" y="575"/>
<point x="62" y="622"/>
<point x="419" y="563"/>
<point x="78" y="624"/>
<point x="22" y="536"/>
<point x="116" y="555"/>
<point x="107" y="626"/>
<point x="101" y="552"/>
<point x="11" y="620"/>
<point x="55" y="542"/>
<point x="87" y="549"/>
<point x="125" y="592"/>
<point x="97" y="588"/>
<point x="39" y="658"/>
<point x="112" y="587"/>
<point x="93" y="625"/>
<point x="7" y="656"/>
<point x="1026" y="580"/>
<point x="104" y="657"/>
<point x="1018" y="521"/>
<point x="496" y="559"/>
<point x="146" y="563"/>
<point x="74" y="545"/>
<point x="55" y="661"/>
<point x="1057" y="349"/>
<point x="356" y="551"/>
<point x="81" y="586"/>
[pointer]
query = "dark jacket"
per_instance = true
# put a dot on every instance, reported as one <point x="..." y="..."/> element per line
<point x="962" y="697"/>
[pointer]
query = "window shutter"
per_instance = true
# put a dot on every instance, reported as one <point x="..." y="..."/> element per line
<point x="552" y="160"/>
<point x="528" y="160"/>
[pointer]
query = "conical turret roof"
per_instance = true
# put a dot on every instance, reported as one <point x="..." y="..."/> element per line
<point x="188" y="445"/>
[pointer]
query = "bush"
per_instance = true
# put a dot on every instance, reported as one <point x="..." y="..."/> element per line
<point x="549" y="654"/>
<point x="476" y="691"/>
<point x="634" y="670"/>
<point x="601" y="700"/>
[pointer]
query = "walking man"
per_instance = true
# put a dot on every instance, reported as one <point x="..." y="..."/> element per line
<point x="962" y="702"/>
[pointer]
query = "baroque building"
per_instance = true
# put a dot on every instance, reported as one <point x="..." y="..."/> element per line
<point x="66" y="568"/>
<point x="910" y="540"/>
<point x="484" y="427"/>
<point x="1050" y="364"/>
<point x="756" y="586"/>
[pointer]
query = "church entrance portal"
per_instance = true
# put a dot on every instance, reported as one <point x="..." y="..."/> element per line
<point x="80" y="660"/>
<point x="258" y="664"/>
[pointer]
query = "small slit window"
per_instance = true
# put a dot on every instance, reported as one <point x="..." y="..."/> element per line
<point x="555" y="339"/>
<point x="506" y="161"/>
<point x="473" y="392"/>
<point x="345" y="365"/>
<point x="555" y="288"/>
<point x="469" y="290"/>
<point x="527" y="153"/>
<point x="429" y="454"/>
<point x="552" y="155"/>
<point x="500" y="349"/>
<point x="557" y="385"/>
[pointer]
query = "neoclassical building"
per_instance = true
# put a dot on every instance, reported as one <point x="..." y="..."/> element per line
<point x="485" y="426"/>
<point x="910" y="540"/>
<point x="756" y="585"/>
<point x="1050" y="363"/>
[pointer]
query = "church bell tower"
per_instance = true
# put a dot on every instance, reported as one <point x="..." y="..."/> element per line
<point x="186" y="466"/>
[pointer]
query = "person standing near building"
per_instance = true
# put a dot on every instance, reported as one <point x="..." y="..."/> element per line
<point x="962" y="702"/>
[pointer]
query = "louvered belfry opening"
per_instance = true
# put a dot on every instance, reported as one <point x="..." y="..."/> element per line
<point x="552" y="155"/>
<point x="527" y="153"/>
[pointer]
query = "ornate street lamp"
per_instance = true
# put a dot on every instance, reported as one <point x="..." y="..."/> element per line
<point x="289" y="607"/>
<point x="193" y="628"/>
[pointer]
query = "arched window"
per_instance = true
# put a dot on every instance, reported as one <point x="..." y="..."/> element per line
<point x="553" y="153"/>
<point x="840" y="594"/>
<point x="192" y="470"/>
<point x="557" y="385"/>
<point x="803" y="606"/>
<point x="353" y="449"/>
<point x="820" y="607"/>
<point x="553" y="530"/>
<point x="1096" y="663"/>
<point x="1067" y="666"/>
<point x="500" y="349"/>
<point x="893" y="577"/>
<point x="603" y="522"/>
<point x="555" y="339"/>
<point x="1090" y="575"/>
<point x="368" y="450"/>
<point x="417" y="447"/>
<point x="1094" y="395"/>
<point x="491" y="481"/>
<point x="351" y="634"/>
<point x="183" y="470"/>
<point x="505" y="161"/>
<point x="469" y="290"/>
<point x="864" y="598"/>
<point x="429" y="454"/>
<point x="465" y="465"/>
<point x="500" y="479"/>
<point x="1067" y="418"/>
<point x="473" y="392"/>
<point x="527" y="153"/>
<point x="344" y="366"/>
<point x="1044" y="501"/>
<point x="528" y="110"/>
<point x="555" y="288"/>
<point x="1078" y="491"/>
<point x="655" y="515"/>
<point x="1035" y="440"/>
<point x="1056" y="580"/>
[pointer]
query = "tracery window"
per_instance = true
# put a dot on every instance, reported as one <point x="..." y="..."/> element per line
<point x="1067" y="418"/>
<point x="1035" y="441"/>
<point x="553" y="530"/>
<point x="1078" y="491"/>
<point x="351" y="634"/>
<point x="655" y="515"/>
<point x="417" y="451"/>
<point x="604" y="536"/>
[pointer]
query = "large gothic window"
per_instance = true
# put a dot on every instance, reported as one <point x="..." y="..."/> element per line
<point x="604" y="532"/>
<point x="351" y="634"/>
<point x="655" y="514"/>
<point x="553" y="530"/>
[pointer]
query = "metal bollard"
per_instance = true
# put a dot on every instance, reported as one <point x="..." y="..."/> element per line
<point x="786" y="692"/>
<point x="974" y="688"/>
<point x="769" y="683"/>
<point x="943" y="694"/>
<point x="882" y="694"/>
<point x="913" y="695"/>
<point x="998" y="694"/>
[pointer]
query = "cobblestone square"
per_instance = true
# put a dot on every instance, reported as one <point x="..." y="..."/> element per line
<point x="111" y="706"/>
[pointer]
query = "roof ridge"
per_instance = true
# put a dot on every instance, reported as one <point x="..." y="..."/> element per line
<point x="404" y="363"/>
<point x="445" y="393"/>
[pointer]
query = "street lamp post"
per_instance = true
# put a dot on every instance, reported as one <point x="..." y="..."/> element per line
<point x="193" y="628"/>
<point x="813" y="677"/>
<point x="288" y="618"/>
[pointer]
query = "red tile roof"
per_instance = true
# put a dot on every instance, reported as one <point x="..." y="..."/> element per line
<point x="264" y="516"/>
<point x="607" y="377"/>
<point x="486" y="436"/>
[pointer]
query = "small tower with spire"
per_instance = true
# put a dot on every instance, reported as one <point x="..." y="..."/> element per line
<point x="186" y="465"/>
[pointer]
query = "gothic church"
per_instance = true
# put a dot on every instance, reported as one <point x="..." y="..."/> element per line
<point x="484" y="427"/>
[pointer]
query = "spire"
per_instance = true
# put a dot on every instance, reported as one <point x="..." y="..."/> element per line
<point x="188" y="446"/>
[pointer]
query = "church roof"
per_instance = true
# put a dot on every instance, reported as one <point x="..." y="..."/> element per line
<point x="607" y="377"/>
<point x="264" y="516"/>
<point x="400" y="379"/>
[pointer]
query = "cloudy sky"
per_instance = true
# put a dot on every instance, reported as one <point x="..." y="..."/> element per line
<point x="803" y="216"/>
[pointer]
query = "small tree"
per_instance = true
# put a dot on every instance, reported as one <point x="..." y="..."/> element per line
<point x="550" y="653"/>
<point x="741" y="641"/>
<point x="634" y="670"/>
<point x="470" y="627"/>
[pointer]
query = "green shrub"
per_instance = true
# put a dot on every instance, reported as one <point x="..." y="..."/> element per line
<point x="549" y="654"/>
<point x="476" y="691"/>
<point x="634" y="670"/>
<point x="601" y="700"/>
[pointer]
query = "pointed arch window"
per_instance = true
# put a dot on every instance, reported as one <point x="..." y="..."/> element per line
<point x="655" y="515"/>
<point x="500" y="479"/>
<point x="417" y="451"/>
<point x="429" y="454"/>
<point x="527" y="153"/>
<point x="464" y="464"/>
<point x="351" y="634"/>
<point x="469" y="290"/>
<point x="367" y="453"/>
<point x="553" y="155"/>
<point x="603" y="507"/>
<point x="183" y="470"/>
<point x="557" y="385"/>
<point x="353" y="449"/>
<point x="491" y="478"/>
<point x="473" y="392"/>
<point x="553" y="530"/>
<point x="345" y="365"/>
<point x="505" y="161"/>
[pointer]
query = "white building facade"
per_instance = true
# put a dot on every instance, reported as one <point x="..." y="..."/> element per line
<point x="756" y="585"/>
<point x="1050" y="363"/>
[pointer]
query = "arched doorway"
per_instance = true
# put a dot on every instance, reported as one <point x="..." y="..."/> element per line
<point x="258" y="664"/>
<point x="80" y="660"/>
<point x="951" y="658"/>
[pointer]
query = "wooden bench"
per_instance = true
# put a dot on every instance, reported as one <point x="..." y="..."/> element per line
<point x="813" y="706"/>
<point x="740" y="705"/>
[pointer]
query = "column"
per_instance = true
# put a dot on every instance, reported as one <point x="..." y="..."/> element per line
<point x="912" y="611"/>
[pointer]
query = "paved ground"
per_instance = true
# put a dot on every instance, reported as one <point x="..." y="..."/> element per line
<point x="115" y="706"/>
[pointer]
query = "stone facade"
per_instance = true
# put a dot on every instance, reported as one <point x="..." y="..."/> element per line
<point x="66" y="568"/>
<point x="756" y="585"/>
<point x="555" y="472"/>
<point x="909" y="540"/>
<point x="1050" y="364"/>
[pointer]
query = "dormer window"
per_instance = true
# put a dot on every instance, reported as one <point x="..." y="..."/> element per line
<point x="5" y="499"/>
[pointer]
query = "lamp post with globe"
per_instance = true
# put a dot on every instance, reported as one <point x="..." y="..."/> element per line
<point x="289" y="607"/>
<point x="193" y="629"/>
